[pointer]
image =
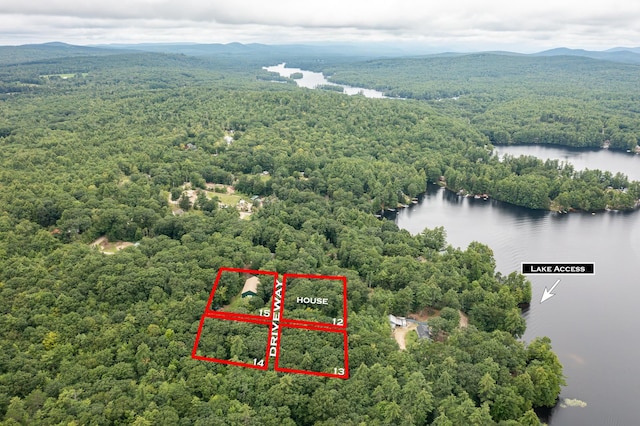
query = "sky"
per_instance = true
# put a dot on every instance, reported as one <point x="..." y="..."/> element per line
<point x="462" y="25"/>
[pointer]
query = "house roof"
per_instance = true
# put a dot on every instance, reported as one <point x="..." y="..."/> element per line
<point x="423" y="331"/>
<point x="251" y="285"/>
<point x="397" y="320"/>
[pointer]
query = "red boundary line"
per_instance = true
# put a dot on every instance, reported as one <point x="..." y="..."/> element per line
<point x="282" y="322"/>
<point x="294" y="323"/>
<point x="317" y="277"/>
<point x="238" y="317"/>
<point x="207" y="308"/>
<point x="226" y="361"/>
<point x="345" y="342"/>
<point x="209" y="313"/>
<point x="238" y="364"/>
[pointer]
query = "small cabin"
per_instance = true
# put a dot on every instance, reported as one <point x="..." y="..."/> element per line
<point x="250" y="288"/>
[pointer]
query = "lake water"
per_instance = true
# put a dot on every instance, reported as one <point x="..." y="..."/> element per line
<point x="603" y="159"/>
<point x="592" y="320"/>
<point x="312" y="79"/>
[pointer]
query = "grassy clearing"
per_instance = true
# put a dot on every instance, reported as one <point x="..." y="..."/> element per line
<point x="400" y="334"/>
<point x="411" y="338"/>
<point x="63" y="76"/>
<point x="107" y="247"/>
<point x="237" y="303"/>
<point x="228" y="199"/>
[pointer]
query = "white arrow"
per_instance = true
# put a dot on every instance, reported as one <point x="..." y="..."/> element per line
<point x="547" y="293"/>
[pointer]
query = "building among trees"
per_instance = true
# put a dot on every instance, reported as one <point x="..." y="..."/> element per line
<point x="423" y="331"/>
<point x="397" y="321"/>
<point x="250" y="286"/>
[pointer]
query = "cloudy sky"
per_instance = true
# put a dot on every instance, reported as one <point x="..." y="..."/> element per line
<point x="518" y="25"/>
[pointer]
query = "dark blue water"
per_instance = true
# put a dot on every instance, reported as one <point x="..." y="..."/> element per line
<point x="592" y="320"/>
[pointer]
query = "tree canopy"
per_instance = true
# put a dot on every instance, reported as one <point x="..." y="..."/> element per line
<point x="136" y="148"/>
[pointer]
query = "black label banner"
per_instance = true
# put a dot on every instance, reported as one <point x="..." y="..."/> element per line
<point x="559" y="268"/>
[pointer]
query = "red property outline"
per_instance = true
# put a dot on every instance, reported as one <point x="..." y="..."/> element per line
<point x="207" y="308"/>
<point x="256" y="319"/>
<point x="316" y="277"/>
<point x="226" y="361"/>
<point x="278" y="320"/>
<point x="345" y="342"/>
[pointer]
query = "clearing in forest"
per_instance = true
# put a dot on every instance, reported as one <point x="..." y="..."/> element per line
<point x="427" y="313"/>
<point x="400" y="333"/>
<point x="226" y="195"/>
<point x="107" y="247"/>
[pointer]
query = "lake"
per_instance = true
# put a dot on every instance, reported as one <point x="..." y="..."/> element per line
<point x="603" y="159"/>
<point x="591" y="320"/>
<point x="312" y="80"/>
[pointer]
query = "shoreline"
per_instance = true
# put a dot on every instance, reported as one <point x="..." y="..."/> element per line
<point x="551" y="208"/>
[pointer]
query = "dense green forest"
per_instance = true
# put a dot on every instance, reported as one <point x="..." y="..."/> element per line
<point x="563" y="100"/>
<point x="102" y="147"/>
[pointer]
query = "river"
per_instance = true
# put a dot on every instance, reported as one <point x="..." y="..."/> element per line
<point x="312" y="80"/>
<point x="591" y="320"/>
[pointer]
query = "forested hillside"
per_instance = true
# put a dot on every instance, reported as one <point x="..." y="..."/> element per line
<point x="564" y="100"/>
<point x="105" y="147"/>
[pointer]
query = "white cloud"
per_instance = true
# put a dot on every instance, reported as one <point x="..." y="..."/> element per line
<point x="454" y="23"/>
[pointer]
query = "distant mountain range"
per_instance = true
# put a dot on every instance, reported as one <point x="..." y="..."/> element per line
<point x="53" y="50"/>
<point x="381" y="49"/>
<point x="37" y="52"/>
<point x="253" y="51"/>
<point x="617" y="54"/>
<point x="621" y="49"/>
